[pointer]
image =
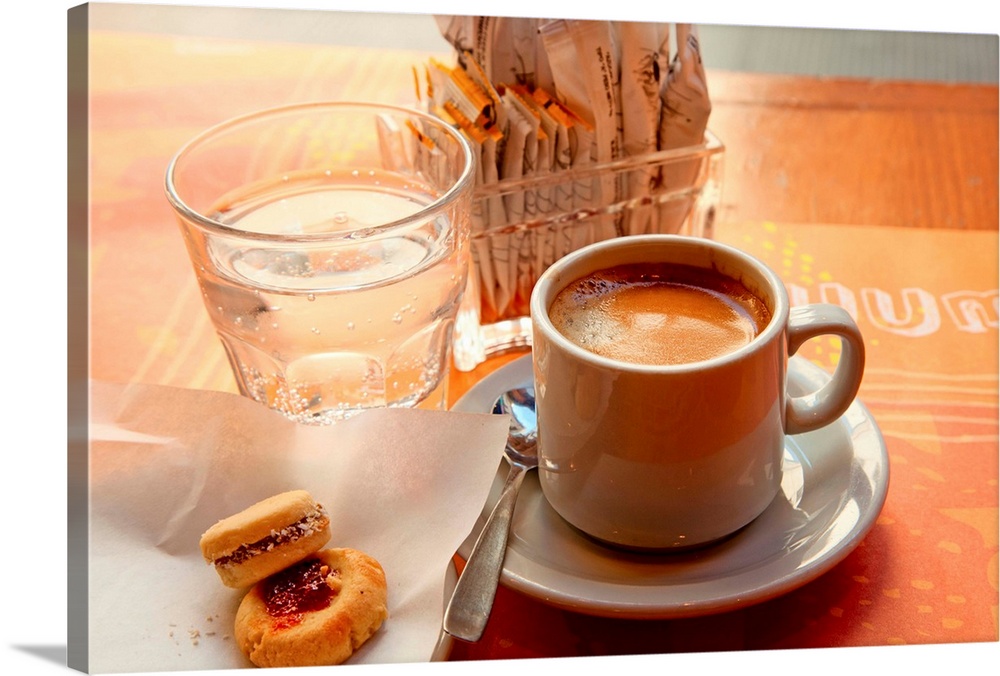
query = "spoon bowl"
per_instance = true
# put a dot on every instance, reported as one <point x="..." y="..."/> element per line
<point x="522" y="439"/>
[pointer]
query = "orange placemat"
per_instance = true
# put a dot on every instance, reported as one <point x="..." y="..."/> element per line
<point x="926" y="302"/>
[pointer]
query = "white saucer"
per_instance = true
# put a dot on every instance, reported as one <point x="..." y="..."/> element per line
<point x="834" y="486"/>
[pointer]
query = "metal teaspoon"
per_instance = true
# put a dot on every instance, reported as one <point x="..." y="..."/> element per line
<point x="472" y="600"/>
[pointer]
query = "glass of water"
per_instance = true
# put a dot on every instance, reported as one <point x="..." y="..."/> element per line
<point x="331" y="245"/>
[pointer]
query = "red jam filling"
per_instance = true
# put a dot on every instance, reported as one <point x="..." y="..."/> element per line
<point x="299" y="589"/>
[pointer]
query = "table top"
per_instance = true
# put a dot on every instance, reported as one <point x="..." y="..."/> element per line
<point x="881" y="196"/>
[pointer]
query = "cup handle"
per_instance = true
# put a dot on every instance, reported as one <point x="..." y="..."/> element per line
<point x="814" y="410"/>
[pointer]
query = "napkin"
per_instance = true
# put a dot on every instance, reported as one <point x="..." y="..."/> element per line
<point x="405" y="486"/>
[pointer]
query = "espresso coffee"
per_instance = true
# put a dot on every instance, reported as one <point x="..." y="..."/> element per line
<point x="658" y="313"/>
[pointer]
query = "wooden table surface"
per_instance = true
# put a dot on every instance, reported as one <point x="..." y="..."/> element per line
<point x="824" y="150"/>
<point x="809" y="162"/>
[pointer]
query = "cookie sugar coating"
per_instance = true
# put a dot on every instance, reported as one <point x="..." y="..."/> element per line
<point x="318" y="612"/>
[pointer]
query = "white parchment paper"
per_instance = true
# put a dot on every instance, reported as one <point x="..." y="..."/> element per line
<point x="405" y="486"/>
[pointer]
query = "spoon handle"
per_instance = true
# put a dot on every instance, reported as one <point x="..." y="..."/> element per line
<point x="471" y="602"/>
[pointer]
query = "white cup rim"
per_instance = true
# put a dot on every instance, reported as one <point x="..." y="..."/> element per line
<point x="545" y="289"/>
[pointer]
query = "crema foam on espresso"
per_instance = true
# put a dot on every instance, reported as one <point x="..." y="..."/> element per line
<point x="658" y="313"/>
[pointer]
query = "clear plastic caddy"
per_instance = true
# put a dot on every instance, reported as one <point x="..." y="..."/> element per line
<point x="520" y="227"/>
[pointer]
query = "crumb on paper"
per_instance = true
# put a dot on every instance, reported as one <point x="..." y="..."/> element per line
<point x="195" y="634"/>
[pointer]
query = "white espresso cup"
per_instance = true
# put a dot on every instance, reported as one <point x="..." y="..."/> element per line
<point x="670" y="456"/>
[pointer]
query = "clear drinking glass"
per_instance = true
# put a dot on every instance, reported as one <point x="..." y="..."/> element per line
<point x="331" y="245"/>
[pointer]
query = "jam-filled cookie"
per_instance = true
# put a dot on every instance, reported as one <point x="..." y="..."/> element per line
<point x="265" y="538"/>
<point x="316" y="612"/>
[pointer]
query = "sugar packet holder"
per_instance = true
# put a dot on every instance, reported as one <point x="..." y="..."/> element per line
<point x="540" y="193"/>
